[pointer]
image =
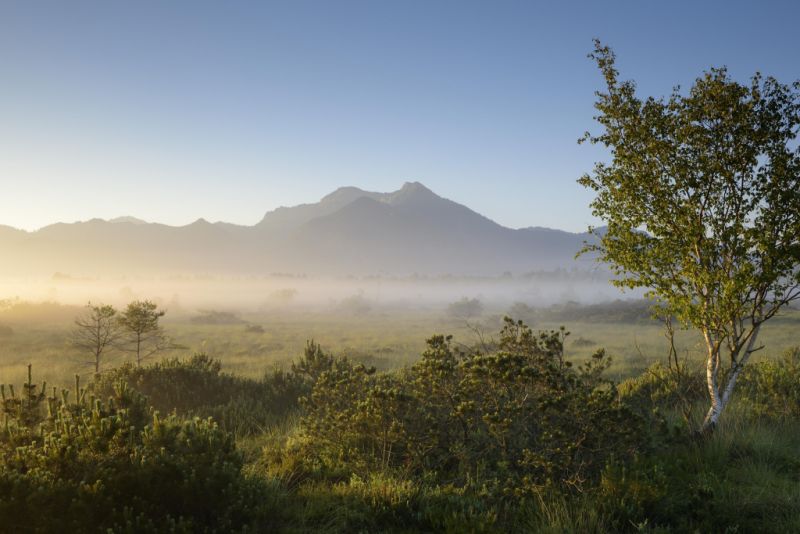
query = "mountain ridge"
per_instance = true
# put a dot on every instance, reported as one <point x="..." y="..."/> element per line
<point x="349" y="231"/>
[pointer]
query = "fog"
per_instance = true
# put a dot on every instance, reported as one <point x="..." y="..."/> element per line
<point x="186" y="294"/>
<point x="407" y="249"/>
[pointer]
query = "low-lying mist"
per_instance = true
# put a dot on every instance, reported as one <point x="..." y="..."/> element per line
<point x="252" y="323"/>
<point x="184" y="295"/>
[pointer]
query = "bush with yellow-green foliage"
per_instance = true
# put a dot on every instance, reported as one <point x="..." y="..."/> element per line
<point x="70" y="462"/>
<point x="197" y="387"/>
<point x="513" y="422"/>
<point x="771" y="388"/>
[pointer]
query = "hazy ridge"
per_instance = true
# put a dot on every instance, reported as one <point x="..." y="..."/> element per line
<point x="350" y="231"/>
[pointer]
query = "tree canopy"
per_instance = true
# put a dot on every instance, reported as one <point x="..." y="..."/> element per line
<point x="701" y="198"/>
<point x="140" y="322"/>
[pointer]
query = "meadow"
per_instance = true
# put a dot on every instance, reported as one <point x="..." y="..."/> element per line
<point x="247" y="426"/>
<point x="386" y="338"/>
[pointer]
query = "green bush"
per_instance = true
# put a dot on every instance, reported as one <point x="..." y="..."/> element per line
<point x="515" y="421"/>
<point x="771" y="388"/>
<point x="197" y="387"/>
<point x="662" y="391"/>
<point x="83" y="465"/>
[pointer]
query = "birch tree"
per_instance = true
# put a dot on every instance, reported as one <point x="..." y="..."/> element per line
<point x="701" y="198"/>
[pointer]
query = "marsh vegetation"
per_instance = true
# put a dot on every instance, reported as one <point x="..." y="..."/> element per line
<point x="379" y="425"/>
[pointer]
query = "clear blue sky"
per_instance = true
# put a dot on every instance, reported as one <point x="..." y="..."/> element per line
<point x="171" y="111"/>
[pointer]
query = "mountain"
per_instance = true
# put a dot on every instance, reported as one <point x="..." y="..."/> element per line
<point x="283" y="219"/>
<point x="349" y="231"/>
<point x="127" y="219"/>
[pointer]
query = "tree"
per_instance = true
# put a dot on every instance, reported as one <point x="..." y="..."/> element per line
<point x="145" y="335"/>
<point x="701" y="199"/>
<point x="96" y="331"/>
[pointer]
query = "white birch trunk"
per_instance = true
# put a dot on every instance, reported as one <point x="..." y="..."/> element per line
<point x="740" y="365"/>
<point x="712" y="370"/>
<point x="719" y="402"/>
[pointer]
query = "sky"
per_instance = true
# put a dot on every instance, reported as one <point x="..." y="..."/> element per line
<point x="172" y="111"/>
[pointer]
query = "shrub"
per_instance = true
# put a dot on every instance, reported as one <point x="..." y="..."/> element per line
<point x="83" y="465"/>
<point x="254" y="329"/>
<point x="197" y="387"/>
<point x="771" y="388"/>
<point x="465" y="308"/>
<point x="314" y="362"/>
<point x="661" y="389"/>
<point x="516" y="420"/>
<point x="214" y="317"/>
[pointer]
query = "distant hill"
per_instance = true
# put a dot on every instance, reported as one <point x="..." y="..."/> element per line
<point x="350" y="231"/>
<point x="127" y="219"/>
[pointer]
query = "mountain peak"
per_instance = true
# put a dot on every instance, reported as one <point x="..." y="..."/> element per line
<point x="411" y="193"/>
<point x="345" y="195"/>
<point x="126" y="219"/>
<point x="414" y="186"/>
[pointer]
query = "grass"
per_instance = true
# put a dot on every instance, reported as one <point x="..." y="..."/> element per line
<point x="745" y="477"/>
<point x="384" y="339"/>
